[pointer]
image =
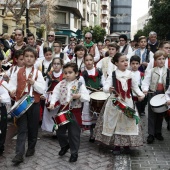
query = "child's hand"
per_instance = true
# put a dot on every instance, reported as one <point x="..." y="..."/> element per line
<point x="140" y="98"/>
<point x="51" y="107"/>
<point x="76" y="96"/>
<point x="42" y="97"/>
<point x="168" y="102"/>
<point x="145" y="64"/>
<point x="111" y="89"/>
<point x="30" y="81"/>
<point x="145" y="93"/>
<point x="13" y="93"/>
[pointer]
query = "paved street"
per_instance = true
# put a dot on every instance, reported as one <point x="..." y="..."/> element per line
<point x="91" y="156"/>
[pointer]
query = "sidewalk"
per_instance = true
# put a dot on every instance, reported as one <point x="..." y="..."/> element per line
<point x="155" y="156"/>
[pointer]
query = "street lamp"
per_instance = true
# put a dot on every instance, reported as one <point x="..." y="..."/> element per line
<point x="27" y="16"/>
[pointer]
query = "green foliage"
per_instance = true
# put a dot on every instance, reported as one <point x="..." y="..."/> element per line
<point x="160" y="20"/>
<point x="97" y="31"/>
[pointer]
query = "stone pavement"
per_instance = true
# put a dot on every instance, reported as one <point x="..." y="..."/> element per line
<point x="91" y="156"/>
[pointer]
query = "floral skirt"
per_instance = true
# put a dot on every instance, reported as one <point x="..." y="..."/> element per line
<point x="115" y="139"/>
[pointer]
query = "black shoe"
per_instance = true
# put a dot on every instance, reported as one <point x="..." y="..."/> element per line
<point x="126" y="150"/>
<point x="64" y="150"/>
<point x="73" y="157"/>
<point x="150" y="139"/>
<point x="30" y="152"/>
<point x="168" y="126"/>
<point x="142" y="114"/>
<point x="18" y="159"/>
<point x="1" y="152"/>
<point x="91" y="139"/>
<point x="159" y="136"/>
<point x="116" y="150"/>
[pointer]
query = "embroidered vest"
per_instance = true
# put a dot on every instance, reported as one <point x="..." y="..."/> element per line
<point x="155" y="78"/>
<point x="64" y="91"/>
<point x="93" y="80"/>
<point x="21" y="84"/>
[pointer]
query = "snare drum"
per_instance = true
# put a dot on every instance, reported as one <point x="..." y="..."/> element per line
<point x="21" y="106"/>
<point x="62" y="118"/>
<point x="97" y="100"/>
<point x="158" y="103"/>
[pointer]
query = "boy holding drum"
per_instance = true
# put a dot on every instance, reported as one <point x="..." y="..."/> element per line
<point x="70" y="93"/>
<point x="27" y="80"/>
<point x="153" y="84"/>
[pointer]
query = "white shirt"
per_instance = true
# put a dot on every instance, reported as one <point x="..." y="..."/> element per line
<point x="39" y="86"/>
<point x="111" y="66"/>
<point x="65" y="58"/>
<point x="56" y="92"/>
<point x="4" y="95"/>
<point x="123" y="74"/>
<point x="147" y="79"/>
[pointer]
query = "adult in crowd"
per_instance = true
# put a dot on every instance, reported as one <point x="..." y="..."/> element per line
<point x="19" y="44"/>
<point x="101" y="49"/>
<point x="48" y="43"/>
<point x="91" y="47"/>
<point x="68" y="48"/>
<point x="152" y="42"/>
<point x="32" y="42"/>
<point x="106" y="43"/>
<point x="5" y="42"/>
<point x="50" y="40"/>
<point x="125" y="48"/>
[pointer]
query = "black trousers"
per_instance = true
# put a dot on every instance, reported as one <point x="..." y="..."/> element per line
<point x="28" y="124"/>
<point x="154" y="119"/>
<point x="73" y="138"/>
<point x="3" y="126"/>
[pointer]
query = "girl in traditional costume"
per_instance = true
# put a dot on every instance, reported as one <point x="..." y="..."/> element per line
<point x="53" y="78"/>
<point x="117" y="124"/>
<point x="92" y="77"/>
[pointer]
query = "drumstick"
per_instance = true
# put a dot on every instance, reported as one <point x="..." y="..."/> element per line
<point x="24" y="90"/>
<point x="67" y="104"/>
<point x="5" y="88"/>
<point x="26" y="85"/>
<point x="90" y="88"/>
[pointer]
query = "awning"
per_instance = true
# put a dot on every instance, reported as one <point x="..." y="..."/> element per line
<point x="66" y="32"/>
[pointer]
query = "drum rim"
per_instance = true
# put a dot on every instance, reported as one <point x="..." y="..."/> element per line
<point x="155" y="96"/>
<point x="24" y="97"/>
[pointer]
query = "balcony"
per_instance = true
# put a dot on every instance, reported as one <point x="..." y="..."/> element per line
<point x="105" y="3"/>
<point x="104" y="12"/>
<point x="104" y="21"/>
<point x="85" y="23"/>
<point x="71" y="6"/>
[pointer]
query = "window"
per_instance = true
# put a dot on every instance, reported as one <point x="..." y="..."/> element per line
<point x="61" y="17"/>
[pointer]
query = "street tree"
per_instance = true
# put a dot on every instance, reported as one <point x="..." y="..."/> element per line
<point x="160" y="20"/>
<point x="97" y="31"/>
<point x="160" y="17"/>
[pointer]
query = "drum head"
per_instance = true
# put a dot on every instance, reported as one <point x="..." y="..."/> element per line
<point x="99" y="95"/>
<point x="158" y="100"/>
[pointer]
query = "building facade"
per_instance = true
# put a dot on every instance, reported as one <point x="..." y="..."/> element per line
<point x="105" y="15"/>
<point x="120" y="19"/>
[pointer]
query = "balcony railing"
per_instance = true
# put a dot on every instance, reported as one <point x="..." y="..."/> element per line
<point x="104" y="12"/>
<point x="105" y="3"/>
<point x="104" y="21"/>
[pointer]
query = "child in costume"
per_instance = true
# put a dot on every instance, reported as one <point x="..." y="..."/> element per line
<point x="71" y="93"/>
<point x="117" y="124"/>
